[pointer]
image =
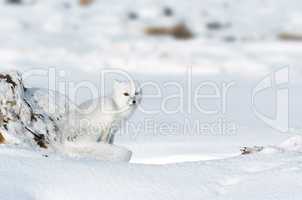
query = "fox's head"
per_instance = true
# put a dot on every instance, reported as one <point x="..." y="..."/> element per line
<point x="127" y="95"/>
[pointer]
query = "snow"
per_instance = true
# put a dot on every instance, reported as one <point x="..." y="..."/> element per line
<point x="62" y="34"/>
<point x="98" y="151"/>
<point x="54" y="36"/>
<point x="256" y="176"/>
<point x="292" y="144"/>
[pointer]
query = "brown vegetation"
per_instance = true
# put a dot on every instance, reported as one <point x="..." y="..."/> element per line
<point x="85" y="2"/>
<point x="2" y="139"/>
<point x="290" y="36"/>
<point x="179" y="31"/>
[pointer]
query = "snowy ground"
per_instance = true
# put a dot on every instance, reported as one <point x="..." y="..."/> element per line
<point x="268" y="175"/>
<point x="83" y="40"/>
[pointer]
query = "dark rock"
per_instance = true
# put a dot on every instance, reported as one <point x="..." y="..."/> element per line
<point x="132" y="15"/>
<point x="229" y="38"/>
<point x="214" y="25"/>
<point x="14" y="1"/>
<point x="66" y="5"/>
<point x="168" y="12"/>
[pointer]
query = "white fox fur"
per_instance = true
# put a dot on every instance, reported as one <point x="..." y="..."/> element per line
<point x="99" y="119"/>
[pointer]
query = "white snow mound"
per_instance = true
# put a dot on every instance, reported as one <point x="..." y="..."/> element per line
<point x="99" y="151"/>
<point x="292" y="144"/>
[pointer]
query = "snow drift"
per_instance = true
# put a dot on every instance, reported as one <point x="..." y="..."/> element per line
<point x="55" y="177"/>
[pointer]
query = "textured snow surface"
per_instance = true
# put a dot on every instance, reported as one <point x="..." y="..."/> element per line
<point x="32" y="175"/>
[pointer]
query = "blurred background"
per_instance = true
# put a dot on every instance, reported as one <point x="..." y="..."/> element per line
<point x="151" y="36"/>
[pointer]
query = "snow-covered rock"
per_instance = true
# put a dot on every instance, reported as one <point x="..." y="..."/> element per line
<point x="20" y="122"/>
<point x="293" y="144"/>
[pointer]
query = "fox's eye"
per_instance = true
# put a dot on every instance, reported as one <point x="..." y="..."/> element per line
<point x="126" y="94"/>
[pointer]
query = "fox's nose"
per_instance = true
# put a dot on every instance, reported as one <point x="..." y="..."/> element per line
<point x="134" y="102"/>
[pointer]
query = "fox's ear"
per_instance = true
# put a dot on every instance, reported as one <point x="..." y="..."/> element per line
<point x="117" y="84"/>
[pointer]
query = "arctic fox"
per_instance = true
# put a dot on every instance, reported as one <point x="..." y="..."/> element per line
<point x="99" y="119"/>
